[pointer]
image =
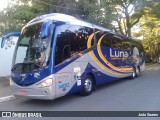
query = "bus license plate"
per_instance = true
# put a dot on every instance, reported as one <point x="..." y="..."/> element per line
<point x="23" y="92"/>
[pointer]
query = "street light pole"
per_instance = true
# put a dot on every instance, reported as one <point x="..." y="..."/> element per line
<point x="7" y="3"/>
<point x="50" y="6"/>
<point x="76" y="8"/>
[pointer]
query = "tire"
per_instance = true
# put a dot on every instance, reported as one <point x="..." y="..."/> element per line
<point x="88" y="86"/>
<point x="133" y="76"/>
<point x="138" y="72"/>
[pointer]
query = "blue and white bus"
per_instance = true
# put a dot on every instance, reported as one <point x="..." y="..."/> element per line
<point x="57" y="55"/>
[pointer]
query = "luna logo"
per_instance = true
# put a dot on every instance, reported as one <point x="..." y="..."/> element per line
<point x="62" y="86"/>
<point x="118" y="54"/>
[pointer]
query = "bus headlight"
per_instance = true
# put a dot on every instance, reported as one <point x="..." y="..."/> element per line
<point x="46" y="83"/>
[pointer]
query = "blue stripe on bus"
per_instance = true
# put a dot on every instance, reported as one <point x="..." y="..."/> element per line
<point x="27" y="79"/>
<point x="100" y="78"/>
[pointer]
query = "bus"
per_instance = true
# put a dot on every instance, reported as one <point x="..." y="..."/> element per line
<point x="58" y="54"/>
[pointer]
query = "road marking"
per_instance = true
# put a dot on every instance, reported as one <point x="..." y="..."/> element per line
<point x="156" y="69"/>
<point x="152" y="68"/>
<point x="149" y="68"/>
<point x="7" y="98"/>
<point x="152" y="65"/>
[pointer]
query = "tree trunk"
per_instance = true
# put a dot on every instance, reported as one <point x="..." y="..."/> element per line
<point x="129" y="32"/>
<point x="128" y="25"/>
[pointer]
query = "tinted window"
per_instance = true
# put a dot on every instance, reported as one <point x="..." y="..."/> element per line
<point x="127" y="45"/>
<point x="62" y="50"/>
<point x="98" y="35"/>
<point x="71" y="40"/>
<point x="110" y="40"/>
<point x="78" y="38"/>
<point x="114" y="41"/>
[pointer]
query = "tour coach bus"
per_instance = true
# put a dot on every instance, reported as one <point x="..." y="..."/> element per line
<point x="58" y="55"/>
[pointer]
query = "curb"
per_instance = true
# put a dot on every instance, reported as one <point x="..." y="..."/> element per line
<point x="7" y="98"/>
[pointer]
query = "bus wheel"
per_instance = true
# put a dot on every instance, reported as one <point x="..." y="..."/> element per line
<point x="138" y="72"/>
<point x="88" y="86"/>
<point x="133" y="73"/>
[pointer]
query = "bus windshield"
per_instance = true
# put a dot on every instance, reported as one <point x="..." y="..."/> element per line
<point x="32" y="52"/>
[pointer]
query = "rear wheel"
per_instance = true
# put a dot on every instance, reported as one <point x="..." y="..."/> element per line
<point x="138" y="72"/>
<point x="88" y="86"/>
<point x="133" y="73"/>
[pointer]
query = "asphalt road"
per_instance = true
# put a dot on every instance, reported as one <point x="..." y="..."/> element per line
<point x="140" y="94"/>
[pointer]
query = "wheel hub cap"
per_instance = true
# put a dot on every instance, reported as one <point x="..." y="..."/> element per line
<point x="88" y="85"/>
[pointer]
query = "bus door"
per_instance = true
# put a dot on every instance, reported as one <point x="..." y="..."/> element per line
<point x="63" y="83"/>
<point x="63" y="67"/>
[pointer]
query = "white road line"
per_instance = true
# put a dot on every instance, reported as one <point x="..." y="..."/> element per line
<point x="7" y="98"/>
<point x="152" y="65"/>
<point x="156" y="69"/>
<point x="149" y="68"/>
<point x="152" y="68"/>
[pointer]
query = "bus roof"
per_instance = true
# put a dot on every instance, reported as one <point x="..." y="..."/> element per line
<point x="71" y="20"/>
<point x="67" y="19"/>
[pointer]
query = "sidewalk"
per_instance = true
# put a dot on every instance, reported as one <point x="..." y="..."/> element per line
<point x="151" y="64"/>
<point x="5" y="89"/>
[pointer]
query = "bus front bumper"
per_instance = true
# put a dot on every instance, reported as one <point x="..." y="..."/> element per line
<point x="33" y="92"/>
<point x="45" y="93"/>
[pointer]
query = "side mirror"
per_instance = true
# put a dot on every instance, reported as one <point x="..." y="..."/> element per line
<point x="45" y="30"/>
<point x="18" y="34"/>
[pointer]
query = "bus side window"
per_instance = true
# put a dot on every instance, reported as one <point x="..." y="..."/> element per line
<point x="78" y="38"/>
<point x="127" y="45"/>
<point x="62" y="50"/>
<point x="107" y="41"/>
<point x="71" y="40"/>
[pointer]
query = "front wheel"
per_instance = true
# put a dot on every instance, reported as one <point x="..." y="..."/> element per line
<point x="87" y="86"/>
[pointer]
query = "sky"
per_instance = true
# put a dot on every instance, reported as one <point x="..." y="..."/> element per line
<point x="3" y="4"/>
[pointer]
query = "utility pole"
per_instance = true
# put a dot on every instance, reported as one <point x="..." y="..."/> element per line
<point x="7" y="3"/>
<point x="50" y="7"/>
<point x="76" y="14"/>
<point x="99" y="2"/>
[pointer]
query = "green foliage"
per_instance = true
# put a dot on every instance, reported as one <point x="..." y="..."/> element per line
<point x="156" y="8"/>
<point x="18" y="14"/>
<point x="128" y="14"/>
<point x="150" y="30"/>
<point x="102" y="15"/>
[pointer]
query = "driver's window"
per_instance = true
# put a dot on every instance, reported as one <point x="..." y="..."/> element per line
<point x="22" y="50"/>
<point x="21" y="56"/>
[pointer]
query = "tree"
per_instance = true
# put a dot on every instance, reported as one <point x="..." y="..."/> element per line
<point x="150" y="30"/>
<point x="128" y="14"/>
<point x="18" y="14"/>
<point x="102" y="15"/>
<point x="83" y="9"/>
